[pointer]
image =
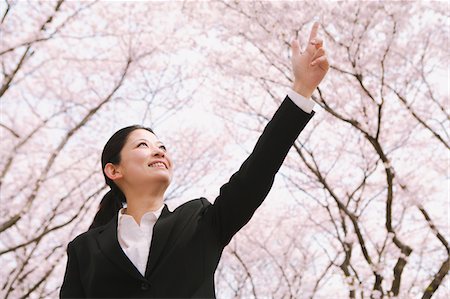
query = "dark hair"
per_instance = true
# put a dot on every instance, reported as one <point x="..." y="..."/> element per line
<point x="113" y="201"/>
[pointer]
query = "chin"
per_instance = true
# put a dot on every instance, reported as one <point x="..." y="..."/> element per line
<point x="160" y="179"/>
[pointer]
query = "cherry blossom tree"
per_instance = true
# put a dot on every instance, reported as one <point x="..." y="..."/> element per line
<point x="72" y="74"/>
<point x="368" y="175"/>
<point x="360" y="206"/>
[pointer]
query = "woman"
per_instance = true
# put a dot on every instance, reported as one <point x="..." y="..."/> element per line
<point x="147" y="251"/>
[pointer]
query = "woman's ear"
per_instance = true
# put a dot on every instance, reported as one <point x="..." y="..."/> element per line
<point x="112" y="171"/>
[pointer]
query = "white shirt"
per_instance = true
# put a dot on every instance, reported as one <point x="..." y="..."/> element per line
<point x="303" y="103"/>
<point x="135" y="239"/>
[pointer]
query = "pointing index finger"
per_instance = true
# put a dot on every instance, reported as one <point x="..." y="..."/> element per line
<point x="314" y="30"/>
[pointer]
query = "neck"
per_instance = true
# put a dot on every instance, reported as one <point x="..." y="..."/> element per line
<point x="139" y="204"/>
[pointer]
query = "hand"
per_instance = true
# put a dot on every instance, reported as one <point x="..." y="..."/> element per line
<point x="310" y="66"/>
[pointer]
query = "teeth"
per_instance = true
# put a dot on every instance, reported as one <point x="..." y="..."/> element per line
<point x="158" y="164"/>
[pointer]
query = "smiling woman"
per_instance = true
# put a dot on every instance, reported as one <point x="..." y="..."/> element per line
<point x="147" y="251"/>
<point x="127" y="160"/>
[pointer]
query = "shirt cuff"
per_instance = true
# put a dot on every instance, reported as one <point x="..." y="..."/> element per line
<point x="303" y="103"/>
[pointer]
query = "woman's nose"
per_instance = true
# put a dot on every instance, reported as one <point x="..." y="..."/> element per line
<point x="158" y="152"/>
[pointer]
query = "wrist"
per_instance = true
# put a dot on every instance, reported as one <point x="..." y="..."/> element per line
<point x="302" y="90"/>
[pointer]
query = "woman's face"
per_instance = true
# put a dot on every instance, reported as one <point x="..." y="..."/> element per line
<point x="138" y="157"/>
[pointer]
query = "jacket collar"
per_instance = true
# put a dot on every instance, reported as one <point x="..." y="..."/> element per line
<point x="110" y="247"/>
<point x="161" y="233"/>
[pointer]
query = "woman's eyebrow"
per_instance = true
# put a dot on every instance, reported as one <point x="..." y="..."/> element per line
<point x="147" y="140"/>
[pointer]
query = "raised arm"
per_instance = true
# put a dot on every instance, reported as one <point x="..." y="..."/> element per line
<point x="248" y="187"/>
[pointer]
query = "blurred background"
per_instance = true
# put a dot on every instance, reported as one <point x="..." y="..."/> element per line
<point x="360" y="207"/>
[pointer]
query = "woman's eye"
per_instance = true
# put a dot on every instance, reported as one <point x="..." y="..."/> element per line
<point x="146" y="145"/>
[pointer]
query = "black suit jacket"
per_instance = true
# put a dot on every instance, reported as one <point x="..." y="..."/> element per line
<point x="188" y="242"/>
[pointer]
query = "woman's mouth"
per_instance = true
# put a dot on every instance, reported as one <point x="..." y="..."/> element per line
<point x="157" y="165"/>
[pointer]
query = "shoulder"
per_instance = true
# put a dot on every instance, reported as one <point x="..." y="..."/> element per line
<point x="86" y="237"/>
<point x="193" y="206"/>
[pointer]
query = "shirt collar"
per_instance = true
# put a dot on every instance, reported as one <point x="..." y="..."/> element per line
<point x="156" y="213"/>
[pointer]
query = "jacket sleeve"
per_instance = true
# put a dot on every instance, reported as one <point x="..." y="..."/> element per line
<point x="248" y="187"/>
<point x="71" y="286"/>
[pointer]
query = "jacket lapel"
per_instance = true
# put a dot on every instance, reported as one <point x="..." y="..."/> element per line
<point x="161" y="232"/>
<point x="109" y="245"/>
